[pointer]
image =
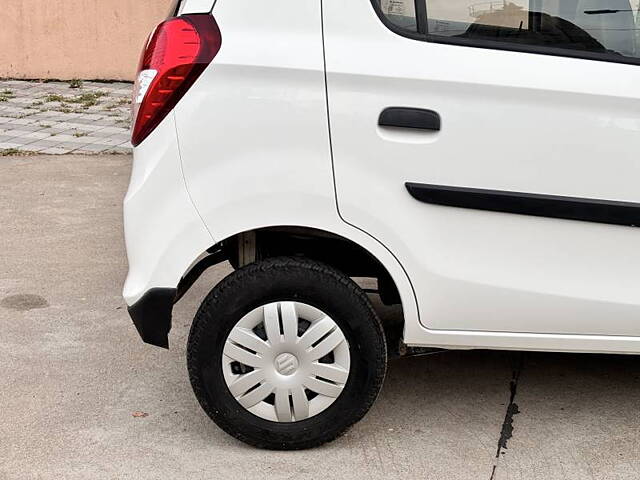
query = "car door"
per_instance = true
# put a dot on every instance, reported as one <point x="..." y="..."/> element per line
<point x="492" y="147"/>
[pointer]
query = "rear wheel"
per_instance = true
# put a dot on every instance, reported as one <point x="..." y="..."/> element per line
<point x="286" y="354"/>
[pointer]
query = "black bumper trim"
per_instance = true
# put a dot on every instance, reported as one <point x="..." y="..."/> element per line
<point x="152" y="315"/>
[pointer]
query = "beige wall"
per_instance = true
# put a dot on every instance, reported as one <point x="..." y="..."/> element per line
<point x="65" y="39"/>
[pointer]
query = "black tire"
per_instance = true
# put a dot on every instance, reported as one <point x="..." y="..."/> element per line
<point x="286" y="279"/>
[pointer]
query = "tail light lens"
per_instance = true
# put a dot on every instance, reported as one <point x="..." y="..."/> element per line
<point x="176" y="54"/>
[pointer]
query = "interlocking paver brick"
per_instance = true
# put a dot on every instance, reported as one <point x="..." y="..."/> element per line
<point x="30" y="148"/>
<point x="14" y="132"/>
<point x="84" y="140"/>
<point x="53" y="118"/>
<point x="55" y="151"/>
<point x="44" y="144"/>
<point x="112" y="130"/>
<point x="38" y="135"/>
<point x="108" y="141"/>
<point x="93" y="148"/>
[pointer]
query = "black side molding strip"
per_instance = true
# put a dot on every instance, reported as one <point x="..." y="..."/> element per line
<point x="551" y="206"/>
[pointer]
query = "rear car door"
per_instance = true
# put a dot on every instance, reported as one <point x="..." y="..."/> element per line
<point x="492" y="147"/>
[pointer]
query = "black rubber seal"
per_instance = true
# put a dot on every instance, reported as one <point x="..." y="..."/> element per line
<point x="152" y="315"/>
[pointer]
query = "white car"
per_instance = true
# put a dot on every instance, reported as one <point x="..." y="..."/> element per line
<point x="478" y="159"/>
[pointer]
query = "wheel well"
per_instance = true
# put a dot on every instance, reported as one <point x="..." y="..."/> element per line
<point x="342" y="254"/>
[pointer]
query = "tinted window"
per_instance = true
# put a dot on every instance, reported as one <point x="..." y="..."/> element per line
<point x="599" y="28"/>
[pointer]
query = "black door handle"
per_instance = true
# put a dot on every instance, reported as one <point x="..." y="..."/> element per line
<point x="410" y="118"/>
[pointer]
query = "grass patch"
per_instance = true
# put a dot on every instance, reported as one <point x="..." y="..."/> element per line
<point x="84" y="100"/>
<point x="6" y="94"/>
<point x="88" y="99"/>
<point x="14" y="152"/>
<point x="52" y="97"/>
<point x="76" y="83"/>
<point x="80" y="134"/>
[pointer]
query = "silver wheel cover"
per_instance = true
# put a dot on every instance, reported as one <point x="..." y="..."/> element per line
<point x="298" y="371"/>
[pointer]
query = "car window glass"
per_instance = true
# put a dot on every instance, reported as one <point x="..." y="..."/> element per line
<point x="589" y="25"/>
<point x="402" y="13"/>
<point x="600" y="28"/>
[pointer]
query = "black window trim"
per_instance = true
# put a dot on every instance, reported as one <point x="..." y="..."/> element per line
<point x="494" y="45"/>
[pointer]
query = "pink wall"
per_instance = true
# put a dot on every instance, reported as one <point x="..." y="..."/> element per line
<point x="65" y="39"/>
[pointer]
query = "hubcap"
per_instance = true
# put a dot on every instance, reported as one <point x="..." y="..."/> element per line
<point x="286" y="361"/>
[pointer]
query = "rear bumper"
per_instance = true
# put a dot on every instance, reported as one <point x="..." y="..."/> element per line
<point x="163" y="233"/>
<point x="152" y="315"/>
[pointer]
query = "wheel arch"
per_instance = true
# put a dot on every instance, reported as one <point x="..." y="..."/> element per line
<point x="351" y="251"/>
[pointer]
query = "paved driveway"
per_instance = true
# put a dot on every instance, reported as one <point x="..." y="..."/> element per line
<point x="73" y="373"/>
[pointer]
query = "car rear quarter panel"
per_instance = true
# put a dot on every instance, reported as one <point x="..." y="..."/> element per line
<point x="253" y="130"/>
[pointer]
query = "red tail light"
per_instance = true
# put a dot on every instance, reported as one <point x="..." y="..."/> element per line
<point x="177" y="53"/>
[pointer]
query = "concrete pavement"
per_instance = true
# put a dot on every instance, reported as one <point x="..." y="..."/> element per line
<point x="76" y="381"/>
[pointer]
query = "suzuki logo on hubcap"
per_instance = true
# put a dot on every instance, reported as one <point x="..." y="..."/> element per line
<point x="286" y="364"/>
